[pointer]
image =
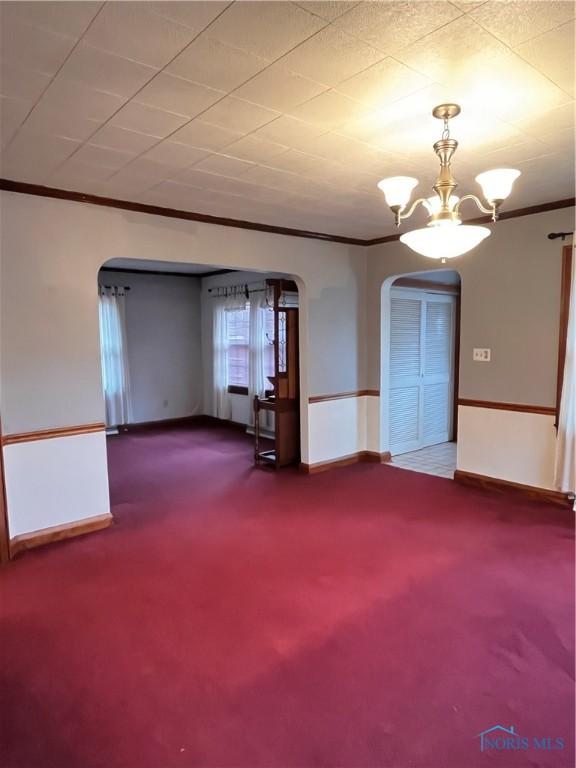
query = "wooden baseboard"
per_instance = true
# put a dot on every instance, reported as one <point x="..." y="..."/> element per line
<point x="58" y="532"/>
<point x="371" y="457"/>
<point x="507" y="486"/>
<point x="215" y="421"/>
<point x="322" y="466"/>
<point x="181" y="421"/>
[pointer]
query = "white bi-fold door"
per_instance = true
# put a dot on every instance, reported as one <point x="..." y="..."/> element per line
<point x="421" y="369"/>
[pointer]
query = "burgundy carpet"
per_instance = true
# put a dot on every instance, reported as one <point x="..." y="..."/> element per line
<point x="235" y="617"/>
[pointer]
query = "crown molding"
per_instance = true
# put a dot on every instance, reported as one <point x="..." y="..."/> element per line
<point x="172" y="213"/>
<point x="24" y="188"/>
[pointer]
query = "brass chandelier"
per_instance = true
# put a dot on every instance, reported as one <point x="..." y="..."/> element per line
<point x="446" y="236"/>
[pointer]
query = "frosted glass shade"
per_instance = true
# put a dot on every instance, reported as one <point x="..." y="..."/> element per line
<point x="433" y="204"/>
<point x="497" y="184"/>
<point x="445" y="242"/>
<point x="397" y="190"/>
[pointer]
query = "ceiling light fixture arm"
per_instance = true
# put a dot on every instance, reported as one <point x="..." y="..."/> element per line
<point x="399" y="214"/>
<point x="493" y="210"/>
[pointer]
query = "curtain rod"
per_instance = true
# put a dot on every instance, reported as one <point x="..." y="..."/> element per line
<point x="563" y="235"/>
<point x="267" y="282"/>
<point x="239" y="288"/>
<point x="124" y="287"/>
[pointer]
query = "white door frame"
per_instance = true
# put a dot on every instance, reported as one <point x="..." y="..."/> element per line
<point x="385" y="306"/>
<point x="427" y="297"/>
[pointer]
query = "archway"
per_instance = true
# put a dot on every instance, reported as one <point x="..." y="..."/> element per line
<point x="159" y="356"/>
<point x="420" y="332"/>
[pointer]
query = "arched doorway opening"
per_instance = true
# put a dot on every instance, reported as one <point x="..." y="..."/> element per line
<point x="193" y="345"/>
<point x="420" y="362"/>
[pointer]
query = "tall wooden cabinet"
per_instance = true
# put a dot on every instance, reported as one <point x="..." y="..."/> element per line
<point x="284" y="399"/>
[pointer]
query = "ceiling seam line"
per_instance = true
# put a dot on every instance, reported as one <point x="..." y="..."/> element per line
<point x="229" y="93"/>
<point x="513" y="51"/>
<point x="54" y="76"/>
<point x="276" y="61"/>
<point x="158" y="72"/>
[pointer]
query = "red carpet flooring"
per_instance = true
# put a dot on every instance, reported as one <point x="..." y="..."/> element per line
<point x="365" y="617"/>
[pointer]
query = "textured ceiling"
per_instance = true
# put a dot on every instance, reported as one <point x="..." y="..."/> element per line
<point x="285" y="113"/>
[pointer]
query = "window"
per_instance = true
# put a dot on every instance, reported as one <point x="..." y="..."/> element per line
<point x="115" y="371"/>
<point x="238" y="337"/>
<point x="237" y="331"/>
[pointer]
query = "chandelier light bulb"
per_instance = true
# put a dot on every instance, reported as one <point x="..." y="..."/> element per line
<point x="445" y="242"/>
<point x="434" y="204"/>
<point x="397" y="190"/>
<point x="497" y="184"/>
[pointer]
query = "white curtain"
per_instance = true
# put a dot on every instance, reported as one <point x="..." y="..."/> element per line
<point x="222" y="405"/>
<point x="258" y="341"/>
<point x="113" y="350"/>
<point x="565" y="469"/>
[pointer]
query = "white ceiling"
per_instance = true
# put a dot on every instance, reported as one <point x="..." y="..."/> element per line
<point x="285" y="113"/>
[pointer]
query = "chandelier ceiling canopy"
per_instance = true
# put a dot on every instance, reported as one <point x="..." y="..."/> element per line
<point x="445" y="236"/>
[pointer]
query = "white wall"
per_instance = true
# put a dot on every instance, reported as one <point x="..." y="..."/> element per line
<point x="49" y="305"/>
<point x="507" y="445"/>
<point x="510" y="304"/>
<point x="51" y="252"/>
<point x="54" y="482"/>
<point x="358" y="417"/>
<point x="163" y="329"/>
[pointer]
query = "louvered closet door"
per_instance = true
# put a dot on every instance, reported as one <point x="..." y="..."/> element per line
<point x="437" y="370"/>
<point x="406" y="314"/>
<point x="421" y="362"/>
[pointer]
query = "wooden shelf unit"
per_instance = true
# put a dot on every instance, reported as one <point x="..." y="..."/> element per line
<point x="285" y="400"/>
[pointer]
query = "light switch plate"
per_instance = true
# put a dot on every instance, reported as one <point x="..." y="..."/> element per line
<point x="481" y="355"/>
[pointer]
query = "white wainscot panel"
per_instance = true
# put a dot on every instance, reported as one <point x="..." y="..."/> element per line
<point x="507" y="445"/>
<point x="55" y="481"/>
<point x="337" y="428"/>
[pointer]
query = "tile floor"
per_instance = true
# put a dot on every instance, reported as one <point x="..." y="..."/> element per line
<point x="437" y="460"/>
